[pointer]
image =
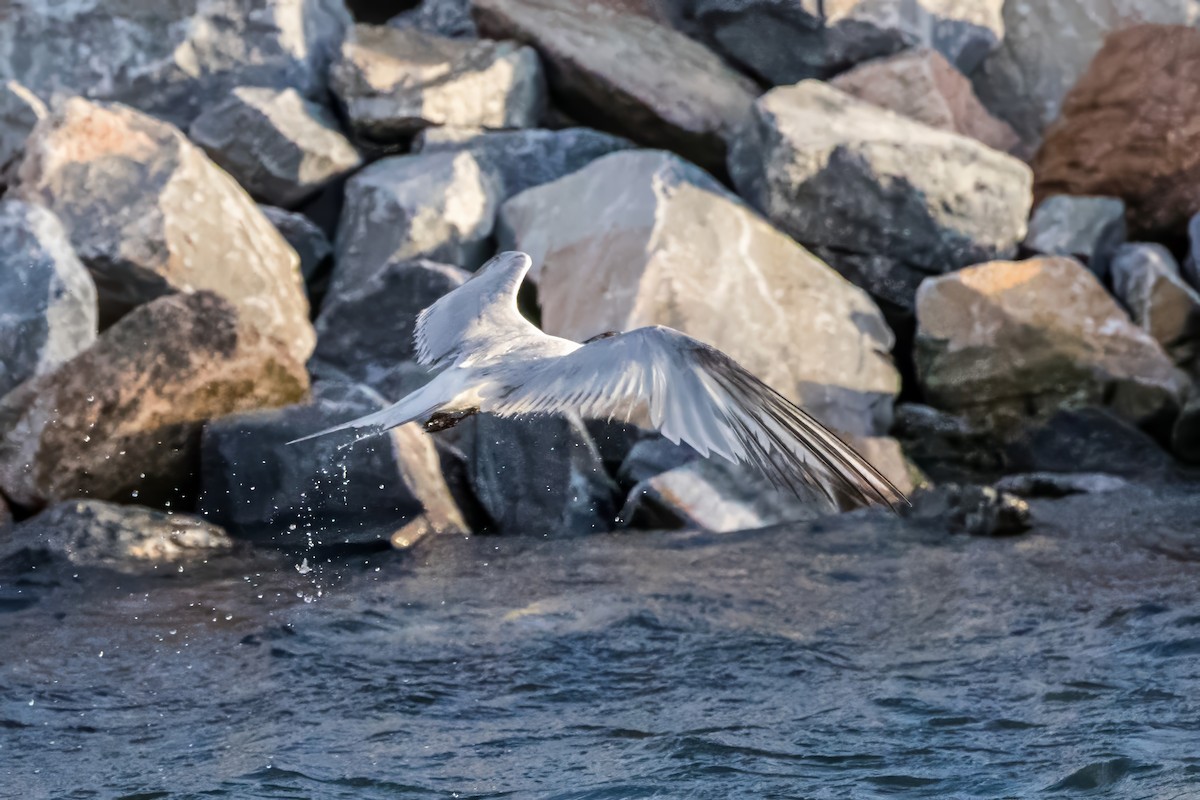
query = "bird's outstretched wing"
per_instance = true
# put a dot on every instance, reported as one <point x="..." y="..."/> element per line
<point x="696" y="394"/>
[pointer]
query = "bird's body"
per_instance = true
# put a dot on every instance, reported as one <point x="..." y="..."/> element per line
<point x="497" y="361"/>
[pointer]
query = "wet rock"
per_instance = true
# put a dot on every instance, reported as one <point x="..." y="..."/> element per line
<point x="1048" y="44"/>
<point x="255" y="484"/>
<point x="130" y="539"/>
<point x="1127" y="130"/>
<point x="643" y="238"/>
<point x="1147" y="280"/>
<point x="922" y="85"/>
<point x="837" y="172"/>
<point x="444" y="17"/>
<point x="393" y="82"/>
<point x="653" y="456"/>
<point x="623" y="73"/>
<point x="279" y="146"/>
<point x="783" y="43"/>
<point x="1008" y="338"/>
<point x="302" y="234"/>
<point x="521" y="160"/>
<point x="366" y="332"/>
<point x="1055" y="484"/>
<point x="973" y="510"/>
<point x="20" y="110"/>
<point x="170" y="59"/>
<point x="440" y="206"/>
<point x="540" y="475"/>
<point x="1088" y="228"/>
<point x="149" y="214"/>
<point x="47" y="298"/>
<point x="121" y="420"/>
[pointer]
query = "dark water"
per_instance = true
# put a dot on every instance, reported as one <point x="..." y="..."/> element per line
<point x="858" y="658"/>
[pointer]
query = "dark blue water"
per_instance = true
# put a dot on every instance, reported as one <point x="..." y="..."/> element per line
<point x="859" y="658"/>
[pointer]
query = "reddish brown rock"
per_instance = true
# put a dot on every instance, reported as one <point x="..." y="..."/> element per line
<point x="922" y="85"/>
<point x="1129" y="129"/>
<point x="122" y="419"/>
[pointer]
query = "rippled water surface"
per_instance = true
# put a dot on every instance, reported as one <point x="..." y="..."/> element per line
<point x="860" y="657"/>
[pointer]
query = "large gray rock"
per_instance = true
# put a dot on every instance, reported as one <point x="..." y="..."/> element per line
<point x="440" y="206"/>
<point x="279" y="146"/>
<point x="366" y="332"/>
<point x="302" y="234"/>
<point x="622" y="72"/>
<point x="644" y="238"/>
<point x="837" y="172"/>
<point x="121" y="420"/>
<point x="786" y="42"/>
<point x="393" y="82"/>
<point x="149" y="214"/>
<point x="1007" y="338"/>
<point x="444" y="17"/>
<point x="368" y="489"/>
<point x="1088" y="228"/>
<point x="20" y="110"/>
<point x="1047" y="46"/>
<point x="1147" y="280"/>
<point x="169" y="59"/>
<point x="47" y="298"/>
<point x="540" y="475"/>
<point x="521" y="160"/>
<point x="129" y="539"/>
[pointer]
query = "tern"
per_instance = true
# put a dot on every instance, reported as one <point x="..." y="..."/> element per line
<point x="493" y="360"/>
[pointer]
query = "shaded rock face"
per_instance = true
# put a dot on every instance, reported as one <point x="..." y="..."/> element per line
<point x="279" y="146"/>
<point x="444" y="17"/>
<point x="366" y="332"/>
<point x="47" y="298"/>
<point x="393" y="82"/>
<point x="1147" y="280"/>
<point x="856" y="180"/>
<point x="1048" y="44"/>
<point x="1009" y="338"/>
<point x="254" y="483"/>
<point x="121" y="419"/>
<point x="521" y="160"/>
<point x="130" y="539"/>
<point x="644" y="238"/>
<point x="922" y="85"/>
<point x="440" y="206"/>
<point x="20" y="110"/>
<point x="149" y="214"/>
<point x="1127" y="129"/>
<point x="1185" y="437"/>
<point x="973" y="510"/>
<point x="540" y="475"/>
<point x="311" y="244"/>
<point x="1088" y="228"/>
<point x="783" y="43"/>
<point x="170" y="59"/>
<point x="623" y="73"/>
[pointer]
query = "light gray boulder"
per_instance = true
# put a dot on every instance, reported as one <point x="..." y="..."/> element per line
<point x="1147" y="280"/>
<point x="440" y="206"/>
<point x="643" y="238"/>
<point x="1088" y="228"/>
<point x="47" y="298"/>
<point x="279" y="146"/>
<point x="149" y="215"/>
<point x="311" y="244"/>
<point x="444" y="17"/>
<point x="393" y="82"/>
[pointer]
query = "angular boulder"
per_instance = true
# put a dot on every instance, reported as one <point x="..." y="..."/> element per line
<point x="281" y="147"/>
<point x="369" y="489"/>
<point x="149" y="214"/>
<point x="47" y="298"/>
<point x="311" y="244"/>
<point x="1147" y="281"/>
<point x="128" y="539"/>
<point x="1007" y="338"/>
<point x="621" y="72"/>
<point x="173" y="59"/>
<point x="644" y="238"/>
<point x="922" y="85"/>
<point x="1127" y="130"/>
<point x="1047" y="46"/>
<point x="121" y="420"/>
<point x="521" y="160"/>
<point x="440" y="206"/>
<point x="393" y="82"/>
<point x="836" y="172"/>
<point x="1087" y="228"/>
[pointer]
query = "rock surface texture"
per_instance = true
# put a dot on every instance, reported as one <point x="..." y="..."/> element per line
<point x="47" y="298"/>
<point x="444" y="17"/>
<point x="1088" y="228"/>
<point x="1147" y="280"/>
<point x="20" y="110"/>
<point x="311" y="244"/>
<point x="149" y="215"/>
<point x="642" y="238"/>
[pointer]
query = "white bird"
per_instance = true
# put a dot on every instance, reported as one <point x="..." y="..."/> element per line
<point x="498" y="362"/>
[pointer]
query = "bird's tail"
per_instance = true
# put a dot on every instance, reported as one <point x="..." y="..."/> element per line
<point x="416" y="405"/>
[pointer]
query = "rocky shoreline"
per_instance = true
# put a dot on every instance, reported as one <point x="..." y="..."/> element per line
<point x="963" y="234"/>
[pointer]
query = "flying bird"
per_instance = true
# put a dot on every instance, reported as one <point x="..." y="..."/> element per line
<point x="498" y="362"/>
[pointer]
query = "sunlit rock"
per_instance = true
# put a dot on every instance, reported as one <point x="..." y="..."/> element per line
<point x="121" y="420"/>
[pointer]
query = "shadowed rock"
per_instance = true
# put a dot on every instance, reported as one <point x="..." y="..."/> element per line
<point x="20" y="111"/>
<point x="311" y="244"/>
<point x="444" y="17"/>
<point x="1147" y="280"/>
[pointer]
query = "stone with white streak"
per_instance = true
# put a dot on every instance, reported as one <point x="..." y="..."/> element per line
<point x="1147" y="280"/>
